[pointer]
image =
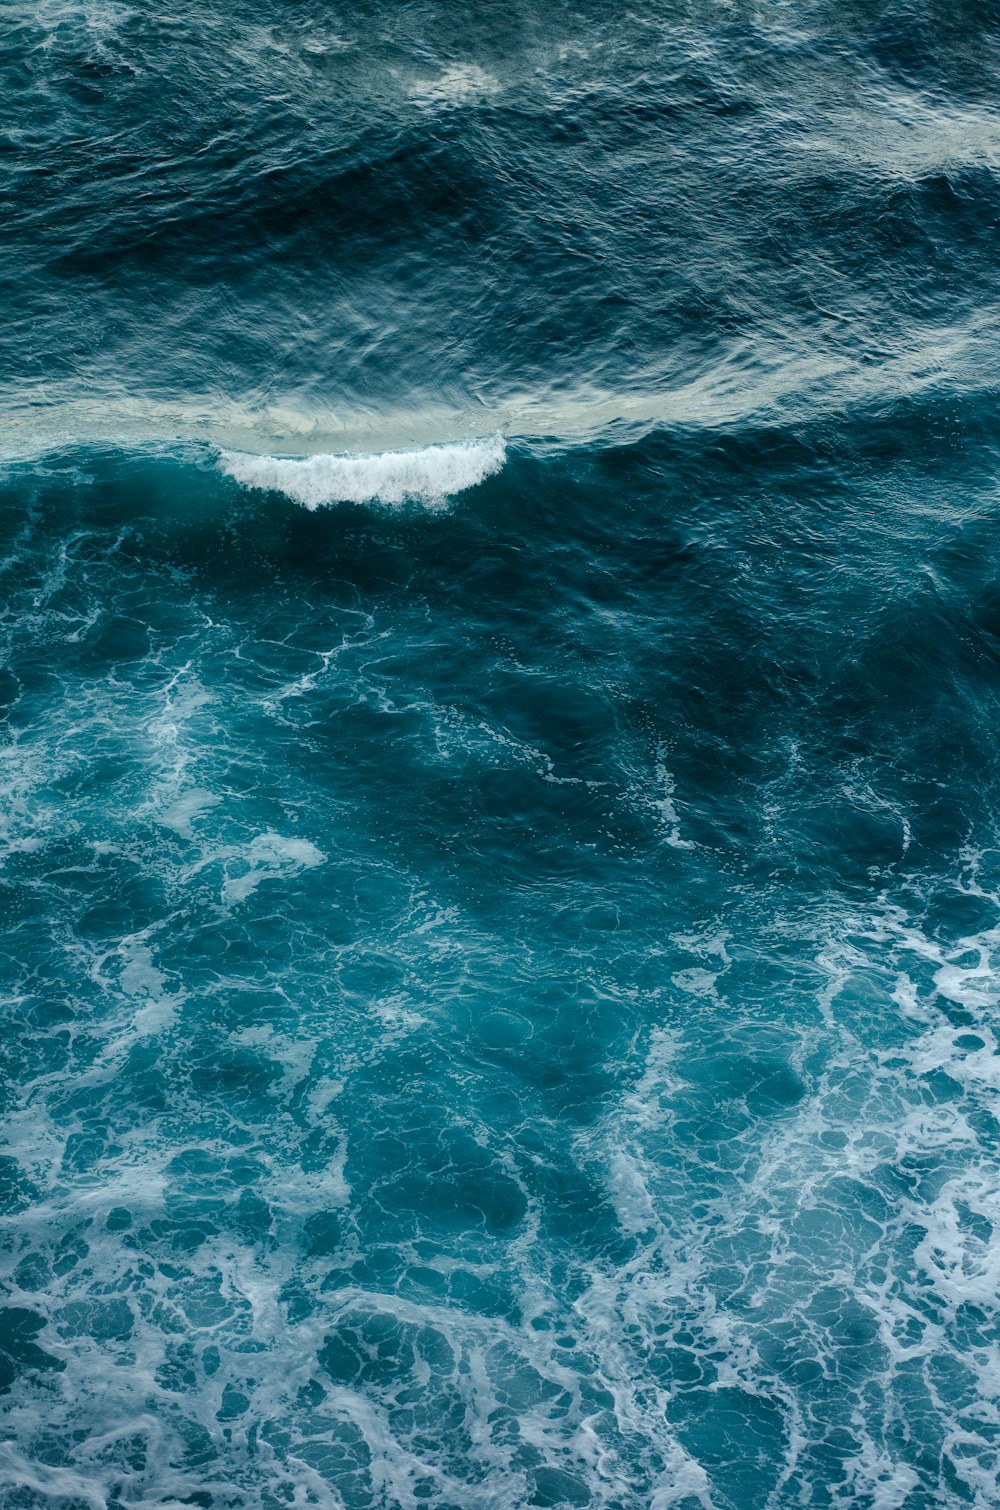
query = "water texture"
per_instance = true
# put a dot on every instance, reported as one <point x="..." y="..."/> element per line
<point x="500" y="666"/>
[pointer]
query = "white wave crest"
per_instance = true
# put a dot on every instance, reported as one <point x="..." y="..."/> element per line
<point x="429" y="476"/>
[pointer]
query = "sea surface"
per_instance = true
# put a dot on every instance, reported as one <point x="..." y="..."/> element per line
<point x="500" y="781"/>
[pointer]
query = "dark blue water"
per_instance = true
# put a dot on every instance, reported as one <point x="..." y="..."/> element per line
<point x="500" y="667"/>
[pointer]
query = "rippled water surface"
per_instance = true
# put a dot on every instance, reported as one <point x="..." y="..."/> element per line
<point x="500" y="669"/>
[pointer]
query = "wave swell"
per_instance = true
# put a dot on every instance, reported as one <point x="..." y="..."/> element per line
<point x="429" y="476"/>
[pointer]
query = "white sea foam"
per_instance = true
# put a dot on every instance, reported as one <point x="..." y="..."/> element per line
<point x="429" y="476"/>
<point x="759" y="380"/>
<point x="269" y="857"/>
<point x="459" y="84"/>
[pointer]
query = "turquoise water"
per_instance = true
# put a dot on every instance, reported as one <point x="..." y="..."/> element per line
<point x="500" y="664"/>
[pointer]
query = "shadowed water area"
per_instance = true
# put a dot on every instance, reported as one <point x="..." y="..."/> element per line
<point x="500" y="671"/>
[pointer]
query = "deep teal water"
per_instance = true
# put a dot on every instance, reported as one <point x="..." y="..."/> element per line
<point x="500" y="667"/>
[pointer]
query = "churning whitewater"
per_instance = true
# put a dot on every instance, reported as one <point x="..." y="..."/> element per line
<point x="500" y="679"/>
<point x="429" y="476"/>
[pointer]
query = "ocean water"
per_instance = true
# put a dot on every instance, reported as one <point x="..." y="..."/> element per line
<point x="499" y="787"/>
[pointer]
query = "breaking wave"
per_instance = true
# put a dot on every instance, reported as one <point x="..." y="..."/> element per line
<point x="429" y="476"/>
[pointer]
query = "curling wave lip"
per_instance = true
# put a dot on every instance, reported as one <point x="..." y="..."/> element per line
<point x="429" y="476"/>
